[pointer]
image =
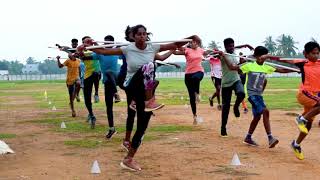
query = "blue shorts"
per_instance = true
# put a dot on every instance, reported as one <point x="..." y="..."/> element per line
<point x="257" y="104"/>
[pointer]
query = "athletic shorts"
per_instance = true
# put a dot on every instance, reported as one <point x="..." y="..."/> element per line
<point x="217" y="81"/>
<point x="258" y="105"/>
<point x="308" y="100"/>
<point x="72" y="87"/>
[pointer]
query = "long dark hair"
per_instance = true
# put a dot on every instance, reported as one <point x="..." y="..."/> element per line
<point x="136" y="28"/>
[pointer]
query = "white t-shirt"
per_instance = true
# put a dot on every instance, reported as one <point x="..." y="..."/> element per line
<point x="215" y="66"/>
<point x="136" y="58"/>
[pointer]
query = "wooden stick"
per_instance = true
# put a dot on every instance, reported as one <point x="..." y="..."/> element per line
<point x="271" y="64"/>
<point x="56" y="58"/>
<point x="163" y="63"/>
<point x="126" y="44"/>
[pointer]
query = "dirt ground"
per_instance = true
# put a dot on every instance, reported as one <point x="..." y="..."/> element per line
<point x="202" y="154"/>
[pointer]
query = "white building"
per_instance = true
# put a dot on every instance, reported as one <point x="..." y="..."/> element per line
<point x="31" y="69"/>
<point x="4" y="72"/>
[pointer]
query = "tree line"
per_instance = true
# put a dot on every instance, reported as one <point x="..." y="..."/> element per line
<point x="283" y="45"/>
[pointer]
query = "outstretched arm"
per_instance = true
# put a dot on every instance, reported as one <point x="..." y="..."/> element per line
<point x="105" y="51"/>
<point x="174" y="46"/>
<point x="282" y="70"/>
<point x="163" y="56"/>
<point x="244" y="46"/>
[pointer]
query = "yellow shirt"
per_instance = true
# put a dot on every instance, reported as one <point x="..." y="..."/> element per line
<point x="73" y="70"/>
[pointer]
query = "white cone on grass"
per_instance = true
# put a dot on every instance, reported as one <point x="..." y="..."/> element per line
<point x="63" y="125"/>
<point x="235" y="160"/>
<point x="4" y="148"/>
<point x="199" y="119"/>
<point x="181" y="97"/>
<point x="54" y="108"/>
<point x="49" y="102"/>
<point x="45" y="95"/>
<point x="95" y="169"/>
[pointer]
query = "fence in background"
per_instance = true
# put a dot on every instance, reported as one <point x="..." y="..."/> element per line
<point x="158" y="75"/>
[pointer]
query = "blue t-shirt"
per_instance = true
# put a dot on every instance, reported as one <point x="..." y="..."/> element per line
<point x="123" y="68"/>
<point x="82" y="69"/>
<point x="108" y="63"/>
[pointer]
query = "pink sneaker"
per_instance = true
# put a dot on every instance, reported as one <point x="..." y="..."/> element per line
<point x="126" y="145"/>
<point x="151" y="105"/>
<point x="129" y="163"/>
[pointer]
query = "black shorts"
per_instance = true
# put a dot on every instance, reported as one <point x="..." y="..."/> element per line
<point x="72" y="87"/>
<point x="216" y="81"/>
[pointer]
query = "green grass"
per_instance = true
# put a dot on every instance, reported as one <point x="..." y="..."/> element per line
<point x="7" y="136"/>
<point x="84" y="143"/>
<point x="169" y="92"/>
<point x="101" y="142"/>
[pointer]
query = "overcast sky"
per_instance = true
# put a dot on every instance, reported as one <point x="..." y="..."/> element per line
<point x="29" y="27"/>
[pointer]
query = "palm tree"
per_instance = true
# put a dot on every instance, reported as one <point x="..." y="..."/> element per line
<point x="270" y="45"/>
<point x="286" y="46"/>
<point x="213" y="45"/>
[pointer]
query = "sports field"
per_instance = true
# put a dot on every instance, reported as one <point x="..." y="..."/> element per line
<point x="172" y="148"/>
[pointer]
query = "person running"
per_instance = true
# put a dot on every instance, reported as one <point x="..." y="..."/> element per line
<point x="243" y="78"/>
<point x="216" y="74"/>
<point x="92" y="76"/>
<point x="131" y="111"/>
<point x="73" y="82"/>
<point x="67" y="49"/>
<point x="194" y="72"/>
<point x="230" y="82"/>
<point x="109" y="70"/>
<point x="137" y="55"/>
<point x="256" y="74"/>
<point x="308" y="94"/>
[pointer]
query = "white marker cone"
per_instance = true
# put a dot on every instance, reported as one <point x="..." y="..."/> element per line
<point x="181" y="97"/>
<point x="54" y="108"/>
<point x="235" y="160"/>
<point x="95" y="169"/>
<point x="199" y="119"/>
<point x="49" y="102"/>
<point x="4" y="148"/>
<point x="45" y="95"/>
<point x="63" y="125"/>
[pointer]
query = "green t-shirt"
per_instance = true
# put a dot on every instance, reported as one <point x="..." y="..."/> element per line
<point x="91" y="62"/>
<point x="229" y="77"/>
<point x="256" y="75"/>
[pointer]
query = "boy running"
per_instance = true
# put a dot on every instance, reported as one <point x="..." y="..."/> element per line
<point x="256" y="74"/>
<point x="73" y="82"/>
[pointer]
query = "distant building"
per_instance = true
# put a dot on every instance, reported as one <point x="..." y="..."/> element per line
<point x="31" y="69"/>
<point x="4" y="72"/>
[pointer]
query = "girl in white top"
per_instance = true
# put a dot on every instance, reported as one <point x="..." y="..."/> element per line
<point x="216" y="74"/>
<point x="137" y="54"/>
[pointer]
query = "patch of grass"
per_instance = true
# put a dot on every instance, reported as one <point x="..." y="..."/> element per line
<point x="45" y="121"/>
<point x="95" y="143"/>
<point x="170" y="91"/>
<point x="7" y="136"/>
<point x="85" y="128"/>
<point x="172" y="128"/>
<point x="84" y="143"/>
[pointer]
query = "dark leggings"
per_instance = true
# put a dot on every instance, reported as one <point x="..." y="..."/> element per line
<point x="192" y="82"/>
<point x="136" y="91"/>
<point x="237" y="87"/>
<point x="110" y="88"/>
<point x="96" y="85"/>
<point x="87" y="90"/>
